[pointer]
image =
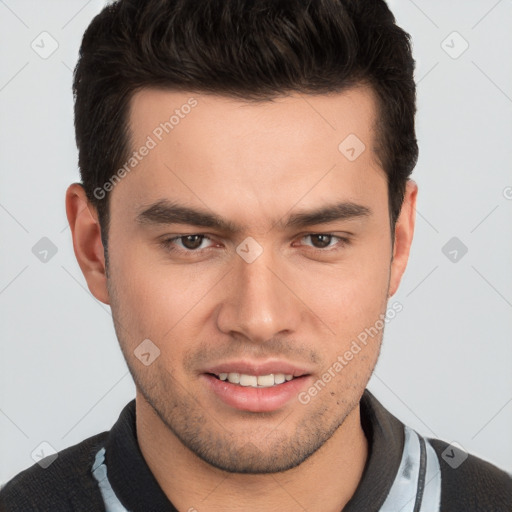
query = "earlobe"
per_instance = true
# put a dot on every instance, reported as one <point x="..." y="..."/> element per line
<point x="85" y="229"/>
<point x="404" y="231"/>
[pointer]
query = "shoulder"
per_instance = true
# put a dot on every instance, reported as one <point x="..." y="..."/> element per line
<point x="66" y="484"/>
<point x="469" y="483"/>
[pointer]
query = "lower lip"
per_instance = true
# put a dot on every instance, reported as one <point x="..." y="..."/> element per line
<point x="246" y="398"/>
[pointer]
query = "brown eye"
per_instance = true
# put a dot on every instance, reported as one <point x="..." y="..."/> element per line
<point x="191" y="241"/>
<point x="187" y="245"/>
<point x="326" y="243"/>
<point x="321" y="241"/>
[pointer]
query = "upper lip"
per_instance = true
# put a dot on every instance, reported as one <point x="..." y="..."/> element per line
<point x="258" y="368"/>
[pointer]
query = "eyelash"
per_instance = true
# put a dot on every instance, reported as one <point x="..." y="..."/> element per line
<point x="168" y="244"/>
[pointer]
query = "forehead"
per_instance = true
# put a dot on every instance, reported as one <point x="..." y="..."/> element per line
<point x="159" y="112"/>
<point x="234" y="157"/>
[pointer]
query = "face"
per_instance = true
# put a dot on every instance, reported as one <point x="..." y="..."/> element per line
<point x="245" y="242"/>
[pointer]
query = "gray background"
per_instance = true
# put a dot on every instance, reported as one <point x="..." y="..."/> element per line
<point x="445" y="367"/>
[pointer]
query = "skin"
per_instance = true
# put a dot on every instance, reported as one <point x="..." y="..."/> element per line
<point x="299" y="301"/>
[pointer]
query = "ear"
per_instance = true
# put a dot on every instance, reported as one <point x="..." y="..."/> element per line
<point x="404" y="231"/>
<point x="89" y="251"/>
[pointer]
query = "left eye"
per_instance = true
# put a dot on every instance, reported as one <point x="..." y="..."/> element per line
<point x="323" y="240"/>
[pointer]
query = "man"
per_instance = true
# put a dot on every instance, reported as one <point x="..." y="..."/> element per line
<point x="246" y="211"/>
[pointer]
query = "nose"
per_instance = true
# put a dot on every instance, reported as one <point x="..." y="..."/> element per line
<point x="259" y="301"/>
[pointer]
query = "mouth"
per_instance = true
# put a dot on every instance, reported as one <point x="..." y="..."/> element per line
<point x="254" y="381"/>
<point x="254" y="386"/>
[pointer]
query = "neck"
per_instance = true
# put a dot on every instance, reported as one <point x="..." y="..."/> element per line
<point x="193" y="485"/>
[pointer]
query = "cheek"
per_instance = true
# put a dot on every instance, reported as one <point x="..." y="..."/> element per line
<point x="349" y="299"/>
<point x="157" y="300"/>
<point x="347" y="294"/>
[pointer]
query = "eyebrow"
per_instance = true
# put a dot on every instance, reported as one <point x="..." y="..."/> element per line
<point x="166" y="212"/>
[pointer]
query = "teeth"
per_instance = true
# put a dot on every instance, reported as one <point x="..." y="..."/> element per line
<point x="248" y="380"/>
<point x="279" y="378"/>
<point x="234" y="378"/>
<point x="253" y="381"/>
<point x="266" y="381"/>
